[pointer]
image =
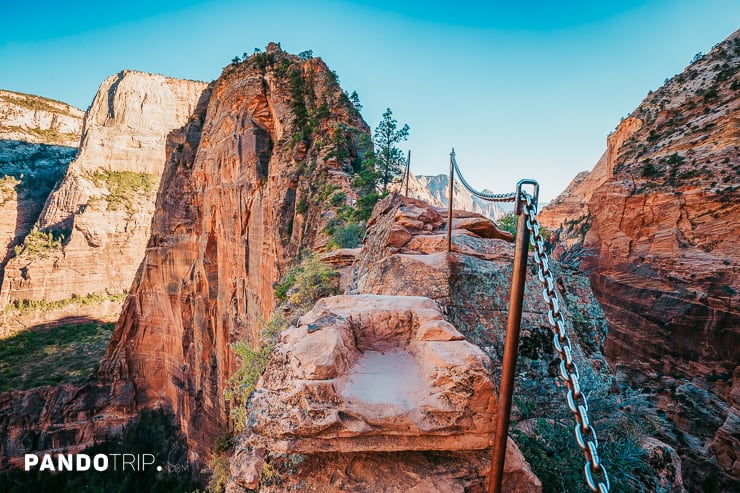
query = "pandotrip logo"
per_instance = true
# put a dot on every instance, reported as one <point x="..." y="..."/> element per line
<point x="98" y="462"/>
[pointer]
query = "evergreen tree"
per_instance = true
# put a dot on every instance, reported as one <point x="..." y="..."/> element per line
<point x="389" y="161"/>
<point x="355" y="99"/>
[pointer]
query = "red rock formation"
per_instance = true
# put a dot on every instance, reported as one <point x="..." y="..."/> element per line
<point x="65" y="417"/>
<point x="665" y="261"/>
<point x="102" y="209"/>
<point x="227" y="224"/>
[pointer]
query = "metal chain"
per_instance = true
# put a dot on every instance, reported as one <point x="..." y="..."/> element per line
<point x="490" y="197"/>
<point x="593" y="469"/>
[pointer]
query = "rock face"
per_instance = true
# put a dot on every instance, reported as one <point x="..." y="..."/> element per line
<point x="66" y="417"/>
<point x="100" y="213"/>
<point x="95" y="226"/>
<point x="38" y="139"/>
<point x="37" y="120"/>
<point x="472" y="283"/>
<point x="664" y="212"/>
<point x="238" y="201"/>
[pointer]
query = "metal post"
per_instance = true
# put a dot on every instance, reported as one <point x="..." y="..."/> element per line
<point x="513" y="324"/>
<point x="408" y="172"/>
<point x="449" y="204"/>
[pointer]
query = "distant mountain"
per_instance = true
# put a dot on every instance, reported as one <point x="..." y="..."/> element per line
<point x="435" y="190"/>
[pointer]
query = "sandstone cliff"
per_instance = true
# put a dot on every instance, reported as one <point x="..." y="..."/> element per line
<point x="664" y="214"/>
<point x="240" y="197"/>
<point x="97" y="219"/>
<point x="38" y="139"/>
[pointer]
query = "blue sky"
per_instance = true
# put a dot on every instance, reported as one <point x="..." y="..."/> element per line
<point x="528" y="90"/>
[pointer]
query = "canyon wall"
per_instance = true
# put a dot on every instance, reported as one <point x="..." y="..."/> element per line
<point x="96" y="221"/>
<point x="658" y="219"/>
<point x="240" y="198"/>
<point x="434" y="190"/>
<point x="38" y="139"/>
<point x="89" y="238"/>
<point x="38" y="120"/>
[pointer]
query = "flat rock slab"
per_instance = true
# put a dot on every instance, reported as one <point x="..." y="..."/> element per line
<point x="374" y="373"/>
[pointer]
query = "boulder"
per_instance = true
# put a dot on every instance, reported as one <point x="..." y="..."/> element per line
<point x="374" y="373"/>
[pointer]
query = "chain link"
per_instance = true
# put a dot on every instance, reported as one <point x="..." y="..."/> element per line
<point x="593" y="469"/>
<point x="490" y="197"/>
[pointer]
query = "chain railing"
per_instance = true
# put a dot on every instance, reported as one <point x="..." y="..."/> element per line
<point x="593" y="469"/>
<point x="528" y="226"/>
<point x="490" y="197"/>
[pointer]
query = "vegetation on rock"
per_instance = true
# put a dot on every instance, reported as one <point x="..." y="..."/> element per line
<point x="125" y="188"/>
<point x="43" y="305"/>
<point x="39" y="244"/>
<point x="300" y="288"/>
<point x="36" y="103"/>
<point x="306" y="283"/>
<point x="65" y="354"/>
<point x="622" y="421"/>
<point x="253" y="360"/>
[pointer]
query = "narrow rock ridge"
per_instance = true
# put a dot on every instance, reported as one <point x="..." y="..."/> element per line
<point x="101" y="211"/>
<point x="407" y="292"/>
<point x="663" y="213"/>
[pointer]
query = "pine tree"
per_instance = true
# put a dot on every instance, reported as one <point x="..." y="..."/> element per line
<point x="389" y="161"/>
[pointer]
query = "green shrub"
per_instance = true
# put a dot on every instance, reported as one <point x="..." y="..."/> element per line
<point x="302" y="206"/>
<point x="43" y="305"/>
<point x="338" y="199"/>
<point x="365" y="205"/>
<point x="218" y="468"/>
<point x="39" y="244"/>
<point x="125" y="187"/>
<point x="324" y="192"/>
<point x="253" y="363"/>
<point x="65" y="354"/>
<point x="675" y="159"/>
<point x="347" y="236"/>
<point x="621" y="422"/>
<point x="313" y="280"/>
<point x="281" y="289"/>
<point x="508" y="222"/>
<point x="649" y="170"/>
